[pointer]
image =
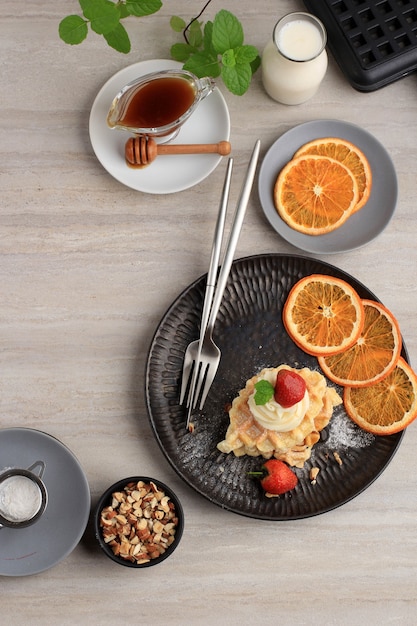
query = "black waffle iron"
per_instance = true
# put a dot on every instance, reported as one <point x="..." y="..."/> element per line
<point x="373" y="41"/>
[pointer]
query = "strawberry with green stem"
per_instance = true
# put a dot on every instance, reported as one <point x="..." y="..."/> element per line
<point x="276" y="477"/>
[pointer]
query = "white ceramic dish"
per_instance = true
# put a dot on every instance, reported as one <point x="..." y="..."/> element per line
<point x="31" y="550"/>
<point x="209" y="123"/>
<point x="361" y="227"/>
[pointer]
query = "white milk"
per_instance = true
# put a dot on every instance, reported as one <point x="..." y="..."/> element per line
<point x="299" y="40"/>
<point x="294" y="62"/>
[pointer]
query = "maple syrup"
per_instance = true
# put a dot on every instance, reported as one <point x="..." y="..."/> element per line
<point x="158" y="102"/>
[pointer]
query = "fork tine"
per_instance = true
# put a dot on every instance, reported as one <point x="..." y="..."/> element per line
<point x="186" y="376"/>
<point x="192" y="389"/>
<point x="211" y="371"/>
<point x="204" y="368"/>
<point x="187" y="369"/>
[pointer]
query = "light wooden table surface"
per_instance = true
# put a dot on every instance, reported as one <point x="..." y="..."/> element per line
<point x="87" y="269"/>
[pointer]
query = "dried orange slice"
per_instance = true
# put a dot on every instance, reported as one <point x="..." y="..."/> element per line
<point x="348" y="154"/>
<point x="315" y="194"/>
<point x="372" y="356"/>
<point x="386" y="407"/>
<point x="323" y="315"/>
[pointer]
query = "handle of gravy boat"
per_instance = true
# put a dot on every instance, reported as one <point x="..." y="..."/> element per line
<point x="41" y="465"/>
<point x="205" y="86"/>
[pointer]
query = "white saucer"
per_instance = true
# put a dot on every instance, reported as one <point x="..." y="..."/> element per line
<point x="31" y="550"/>
<point x="209" y="123"/>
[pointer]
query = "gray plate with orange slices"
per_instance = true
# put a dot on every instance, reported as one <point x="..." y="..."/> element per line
<point x="361" y="227"/>
<point x="250" y="334"/>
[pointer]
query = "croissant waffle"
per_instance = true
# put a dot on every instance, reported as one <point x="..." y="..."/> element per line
<point x="246" y="436"/>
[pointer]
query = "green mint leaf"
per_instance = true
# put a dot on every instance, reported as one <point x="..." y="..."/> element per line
<point x="264" y="391"/>
<point x="229" y="59"/>
<point x="202" y="64"/>
<point x="245" y="54"/>
<point x="195" y="34"/>
<point x="181" y="52"/>
<point x="208" y="36"/>
<point x="140" y="8"/>
<point x="237" y="79"/>
<point x="123" y="10"/>
<point x="73" y="29"/>
<point x="102" y="14"/>
<point x="256" y="64"/>
<point x="208" y="40"/>
<point x="227" y="32"/>
<point x="177" y="24"/>
<point x="118" y="39"/>
<point x="218" y="51"/>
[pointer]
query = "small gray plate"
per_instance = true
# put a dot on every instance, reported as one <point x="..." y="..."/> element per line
<point x="361" y="227"/>
<point x="31" y="550"/>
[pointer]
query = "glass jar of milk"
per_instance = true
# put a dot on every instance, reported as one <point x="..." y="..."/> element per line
<point x="294" y="62"/>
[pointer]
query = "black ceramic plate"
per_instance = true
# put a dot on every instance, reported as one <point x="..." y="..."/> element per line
<point x="250" y="335"/>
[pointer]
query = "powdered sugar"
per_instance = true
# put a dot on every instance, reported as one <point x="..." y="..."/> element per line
<point x="20" y="498"/>
<point x="343" y="433"/>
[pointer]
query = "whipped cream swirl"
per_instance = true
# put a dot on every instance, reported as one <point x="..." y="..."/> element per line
<point x="274" y="416"/>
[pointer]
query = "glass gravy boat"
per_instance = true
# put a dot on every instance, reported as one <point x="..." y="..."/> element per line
<point x="158" y="104"/>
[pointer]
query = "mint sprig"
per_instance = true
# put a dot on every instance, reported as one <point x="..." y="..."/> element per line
<point x="104" y="18"/>
<point x="264" y="391"/>
<point x="217" y="49"/>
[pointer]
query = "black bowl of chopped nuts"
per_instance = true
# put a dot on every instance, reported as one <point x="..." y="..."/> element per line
<point x="138" y="521"/>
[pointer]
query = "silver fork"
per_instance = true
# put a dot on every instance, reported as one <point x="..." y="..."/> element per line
<point x="208" y="354"/>
<point x="192" y="354"/>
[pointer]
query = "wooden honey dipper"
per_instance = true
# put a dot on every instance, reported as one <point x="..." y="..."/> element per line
<point x="141" y="151"/>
